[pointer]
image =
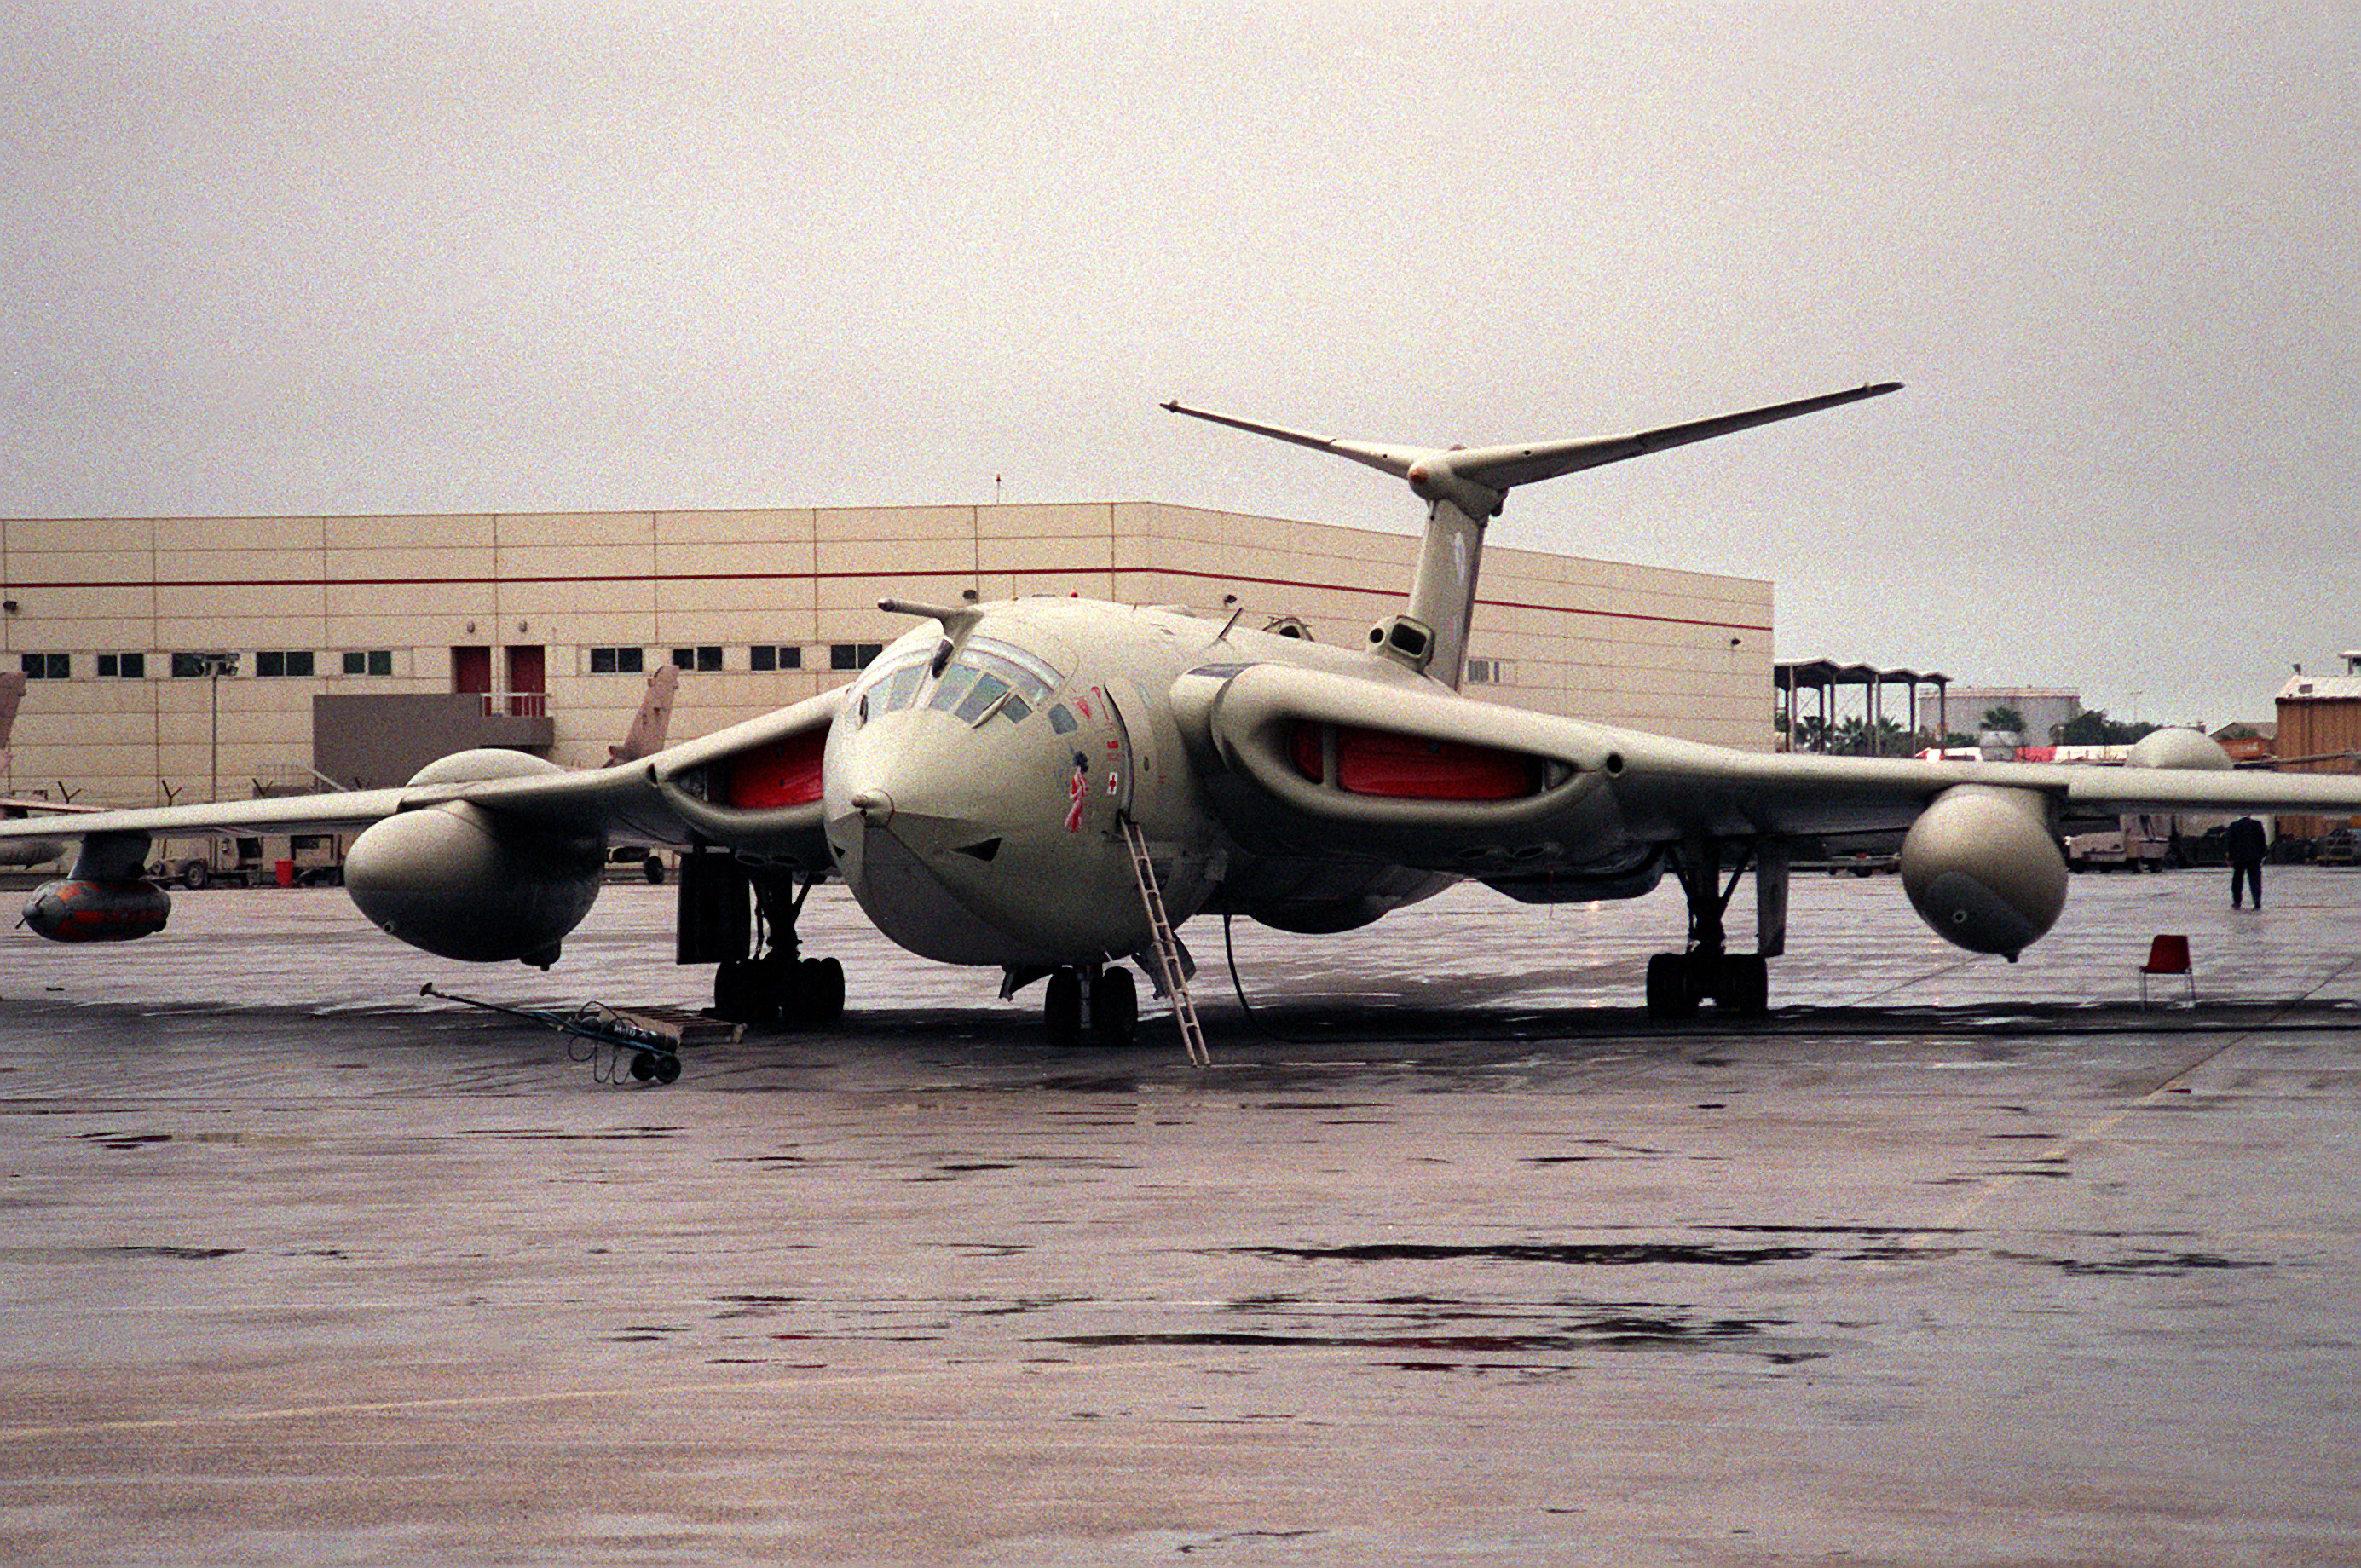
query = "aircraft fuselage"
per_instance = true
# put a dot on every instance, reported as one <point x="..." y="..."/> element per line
<point x="975" y="781"/>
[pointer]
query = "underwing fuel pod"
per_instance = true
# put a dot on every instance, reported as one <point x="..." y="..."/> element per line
<point x="86" y="911"/>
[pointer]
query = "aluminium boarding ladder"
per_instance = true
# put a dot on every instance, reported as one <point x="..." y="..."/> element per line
<point x="1165" y="947"/>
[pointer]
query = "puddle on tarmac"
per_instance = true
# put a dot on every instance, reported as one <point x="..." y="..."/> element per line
<point x="177" y="1253"/>
<point x="1571" y="1331"/>
<point x="1076" y="1084"/>
<point x="2160" y="1265"/>
<point x="126" y="1141"/>
<point x="1429" y="1326"/>
<point x="1611" y="1253"/>
<point x="571" y="1135"/>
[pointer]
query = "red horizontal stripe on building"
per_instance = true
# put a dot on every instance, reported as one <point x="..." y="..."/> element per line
<point x="1391" y="595"/>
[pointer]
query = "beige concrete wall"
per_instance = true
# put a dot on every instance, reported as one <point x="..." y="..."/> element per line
<point x="1678" y="651"/>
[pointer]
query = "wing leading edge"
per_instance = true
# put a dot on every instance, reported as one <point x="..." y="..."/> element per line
<point x="1446" y="783"/>
<point x="672" y="797"/>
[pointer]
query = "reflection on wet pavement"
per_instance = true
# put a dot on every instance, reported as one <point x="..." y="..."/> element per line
<point x="1461" y="1260"/>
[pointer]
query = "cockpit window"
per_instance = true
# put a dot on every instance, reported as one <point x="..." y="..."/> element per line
<point x="899" y="689"/>
<point x="988" y="689"/>
<point x="953" y="686"/>
<point x="894" y="687"/>
<point x="981" y="681"/>
<point x="988" y="679"/>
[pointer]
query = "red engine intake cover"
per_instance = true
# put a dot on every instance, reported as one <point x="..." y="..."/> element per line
<point x="1412" y="767"/>
<point x="784" y="772"/>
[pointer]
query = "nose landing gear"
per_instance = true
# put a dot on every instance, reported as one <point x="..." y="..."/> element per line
<point x="779" y="987"/>
<point x="1102" y="998"/>
<point x="1679" y="983"/>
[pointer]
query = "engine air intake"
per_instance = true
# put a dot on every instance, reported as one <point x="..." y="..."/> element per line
<point x="784" y="772"/>
<point x="1394" y="766"/>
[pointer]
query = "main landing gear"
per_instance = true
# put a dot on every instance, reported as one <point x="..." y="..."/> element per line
<point x="779" y="987"/>
<point x="1738" y="983"/>
<point x="763" y="977"/>
<point x="778" y="984"/>
<point x="1100" y="1001"/>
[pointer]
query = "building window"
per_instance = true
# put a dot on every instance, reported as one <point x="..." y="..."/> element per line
<point x="48" y="666"/>
<point x="1487" y="672"/>
<point x="123" y="666"/>
<point x="618" y="660"/>
<point x="369" y="662"/>
<point x="776" y="656"/>
<point x="196" y="666"/>
<point x="274" y="663"/>
<point x="853" y="655"/>
<point x="706" y="658"/>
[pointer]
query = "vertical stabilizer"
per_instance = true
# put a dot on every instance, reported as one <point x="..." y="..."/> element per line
<point x="1464" y="488"/>
<point x="12" y="692"/>
<point x="1442" y="594"/>
<point x="646" y="736"/>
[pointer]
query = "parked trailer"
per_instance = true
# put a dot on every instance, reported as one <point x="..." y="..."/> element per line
<point x="2141" y="844"/>
<point x="242" y="860"/>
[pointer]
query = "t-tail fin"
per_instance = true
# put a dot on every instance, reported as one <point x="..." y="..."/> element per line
<point x="1465" y="488"/>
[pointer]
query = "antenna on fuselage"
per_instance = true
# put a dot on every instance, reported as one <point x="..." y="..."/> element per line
<point x="1465" y="488"/>
<point x="955" y="619"/>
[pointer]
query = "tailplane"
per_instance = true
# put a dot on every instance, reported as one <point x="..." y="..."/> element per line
<point x="1464" y="489"/>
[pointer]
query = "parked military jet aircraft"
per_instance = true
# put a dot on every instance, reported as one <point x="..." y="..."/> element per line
<point x="1006" y="783"/>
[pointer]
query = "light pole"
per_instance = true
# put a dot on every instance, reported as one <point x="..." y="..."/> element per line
<point x="217" y="666"/>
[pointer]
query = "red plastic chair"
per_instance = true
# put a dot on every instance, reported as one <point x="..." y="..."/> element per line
<point x="2167" y="955"/>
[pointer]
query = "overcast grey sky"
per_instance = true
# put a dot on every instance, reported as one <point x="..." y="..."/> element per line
<point x="305" y="258"/>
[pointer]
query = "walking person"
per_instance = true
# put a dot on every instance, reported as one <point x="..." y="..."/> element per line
<point x="2244" y="843"/>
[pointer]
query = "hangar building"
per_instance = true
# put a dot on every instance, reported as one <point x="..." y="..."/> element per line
<point x="2320" y="732"/>
<point x="178" y="658"/>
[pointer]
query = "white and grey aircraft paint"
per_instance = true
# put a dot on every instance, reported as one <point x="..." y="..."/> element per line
<point x="996" y="786"/>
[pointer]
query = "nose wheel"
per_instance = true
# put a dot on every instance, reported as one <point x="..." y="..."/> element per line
<point x="1103" y="1000"/>
<point x="1736" y="982"/>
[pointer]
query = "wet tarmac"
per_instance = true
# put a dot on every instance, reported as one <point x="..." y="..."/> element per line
<point x="1451" y="1257"/>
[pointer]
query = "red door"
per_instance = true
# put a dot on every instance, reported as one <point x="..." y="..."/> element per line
<point x="471" y="669"/>
<point x="528" y="680"/>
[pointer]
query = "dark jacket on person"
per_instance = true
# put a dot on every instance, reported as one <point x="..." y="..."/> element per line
<point x="2243" y="842"/>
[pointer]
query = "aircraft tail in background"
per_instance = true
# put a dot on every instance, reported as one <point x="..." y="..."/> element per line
<point x="646" y="736"/>
<point x="12" y="692"/>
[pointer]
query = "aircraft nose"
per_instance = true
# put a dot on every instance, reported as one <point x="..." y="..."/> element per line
<point x="926" y="788"/>
<point x="913" y="798"/>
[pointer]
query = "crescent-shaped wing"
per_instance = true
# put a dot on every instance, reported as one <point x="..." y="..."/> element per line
<point x="1313" y="762"/>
